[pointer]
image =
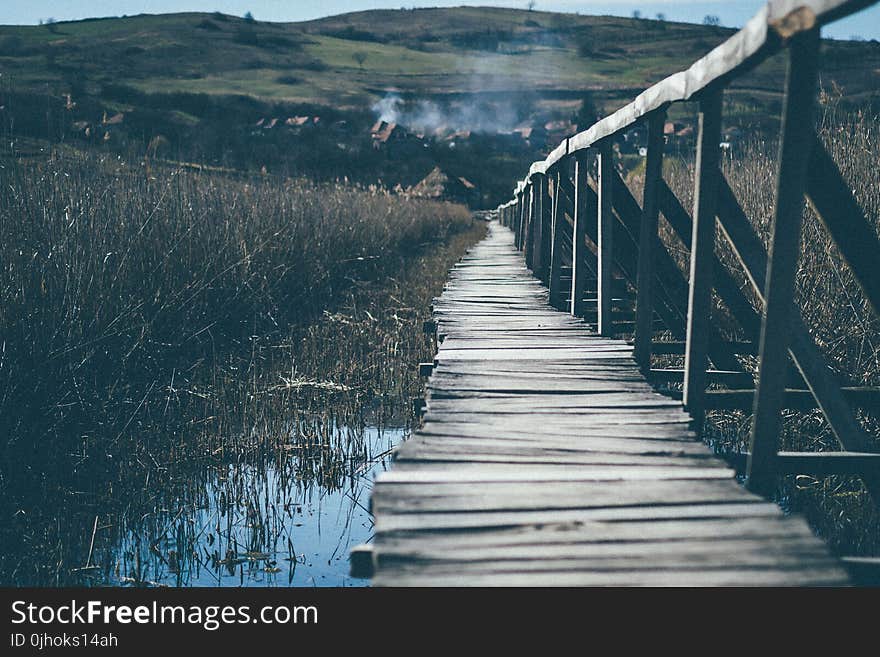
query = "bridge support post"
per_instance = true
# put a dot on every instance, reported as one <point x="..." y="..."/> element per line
<point x="648" y="241"/>
<point x="605" y="228"/>
<point x="556" y="227"/>
<point x="520" y="218"/>
<point x="529" y="234"/>
<point x="545" y="218"/>
<point x="794" y="155"/>
<point x="708" y="174"/>
<point x="579" y="235"/>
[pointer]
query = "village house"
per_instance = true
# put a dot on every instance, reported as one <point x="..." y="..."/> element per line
<point x="534" y="134"/>
<point x="382" y="133"/>
<point x="441" y="186"/>
<point x="394" y="140"/>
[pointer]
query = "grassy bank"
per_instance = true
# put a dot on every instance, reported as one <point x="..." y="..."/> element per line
<point x="149" y="320"/>
<point x="836" y="312"/>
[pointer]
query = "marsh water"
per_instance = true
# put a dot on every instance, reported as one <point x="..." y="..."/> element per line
<point x="258" y="522"/>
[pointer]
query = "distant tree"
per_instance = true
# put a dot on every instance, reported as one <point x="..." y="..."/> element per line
<point x="661" y="17"/>
<point x="637" y="13"/>
<point x="360" y="57"/>
<point x="531" y="5"/>
<point x="51" y="26"/>
<point x="711" y="19"/>
<point x="249" y="17"/>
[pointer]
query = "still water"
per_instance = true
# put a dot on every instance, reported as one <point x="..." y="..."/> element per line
<point x="261" y="524"/>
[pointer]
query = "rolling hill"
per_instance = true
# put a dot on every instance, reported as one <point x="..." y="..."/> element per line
<point x="199" y="80"/>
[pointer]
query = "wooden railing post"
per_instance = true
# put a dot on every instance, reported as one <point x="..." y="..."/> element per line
<point x="556" y="233"/>
<point x="542" y="266"/>
<point x="537" y="224"/>
<point x="579" y="235"/>
<point x="528" y="236"/>
<point x="520" y="218"/>
<point x="707" y="176"/>
<point x="794" y="155"/>
<point x="605" y="246"/>
<point x="648" y="241"/>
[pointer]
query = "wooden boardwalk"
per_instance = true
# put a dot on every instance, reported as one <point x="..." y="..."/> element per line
<point x="545" y="458"/>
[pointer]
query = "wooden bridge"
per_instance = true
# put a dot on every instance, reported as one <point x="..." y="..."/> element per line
<point x="546" y="456"/>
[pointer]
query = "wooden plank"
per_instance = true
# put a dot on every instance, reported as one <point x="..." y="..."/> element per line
<point x="684" y="554"/>
<point x="833" y="201"/>
<point x="499" y="428"/>
<point x="556" y="236"/>
<point x="702" y="253"/>
<point x="867" y="398"/>
<point x="495" y="520"/>
<point x="535" y="428"/>
<point x="824" y="464"/>
<point x="485" y="473"/>
<point x="649" y="242"/>
<point x="511" y="576"/>
<point x="532" y="213"/>
<point x="541" y="264"/>
<point x="416" y="497"/>
<point x="750" y="252"/>
<point x="765" y="34"/>
<point x="726" y="377"/>
<point x="605" y="243"/>
<point x="599" y="531"/>
<point x="676" y="348"/>
<point x="797" y="127"/>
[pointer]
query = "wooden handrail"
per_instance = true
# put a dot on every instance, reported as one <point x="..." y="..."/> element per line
<point x="613" y="241"/>
<point x="765" y="34"/>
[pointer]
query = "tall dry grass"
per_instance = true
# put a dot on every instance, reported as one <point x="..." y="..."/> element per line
<point x="108" y="275"/>
<point x="831" y="303"/>
<point x="148" y="320"/>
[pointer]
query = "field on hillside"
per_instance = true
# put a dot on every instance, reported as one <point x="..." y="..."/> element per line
<point x="421" y="51"/>
<point x="206" y="87"/>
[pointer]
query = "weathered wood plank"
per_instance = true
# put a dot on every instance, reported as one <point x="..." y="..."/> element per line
<point x="794" y="149"/>
<point x="707" y="175"/>
<point x="545" y="458"/>
<point x="579" y="234"/>
<point x="605" y="231"/>
<point x="649" y="242"/>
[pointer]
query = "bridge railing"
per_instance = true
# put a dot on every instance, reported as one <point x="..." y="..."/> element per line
<point x="562" y="217"/>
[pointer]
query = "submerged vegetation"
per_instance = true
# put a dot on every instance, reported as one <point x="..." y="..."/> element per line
<point x="152" y="319"/>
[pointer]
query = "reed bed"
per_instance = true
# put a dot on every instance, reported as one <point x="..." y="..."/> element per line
<point x="155" y="318"/>
<point x="831" y="303"/>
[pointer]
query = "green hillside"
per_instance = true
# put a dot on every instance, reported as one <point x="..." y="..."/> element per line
<point x="431" y="51"/>
<point x="201" y="81"/>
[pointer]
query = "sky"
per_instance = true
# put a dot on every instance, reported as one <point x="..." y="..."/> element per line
<point x="733" y="13"/>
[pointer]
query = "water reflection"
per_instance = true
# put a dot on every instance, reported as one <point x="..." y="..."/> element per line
<point x="254" y="524"/>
